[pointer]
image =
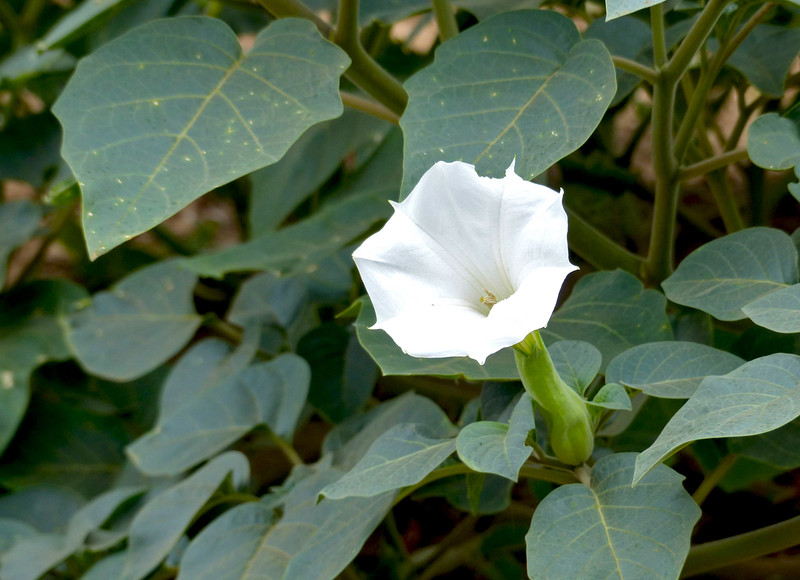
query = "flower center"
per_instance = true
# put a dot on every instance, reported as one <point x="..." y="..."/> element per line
<point x="488" y="299"/>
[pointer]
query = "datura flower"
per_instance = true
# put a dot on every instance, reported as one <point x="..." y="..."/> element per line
<point x="467" y="265"/>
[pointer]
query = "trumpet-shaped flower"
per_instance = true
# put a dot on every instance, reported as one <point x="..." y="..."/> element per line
<point x="467" y="265"/>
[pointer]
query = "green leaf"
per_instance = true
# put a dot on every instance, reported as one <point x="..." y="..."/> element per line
<point x="46" y="508"/>
<point x="609" y="529"/>
<point x="77" y="22"/>
<point x="313" y="541"/>
<point x="534" y="92"/>
<point x="279" y="188"/>
<point x="626" y="37"/>
<point x="209" y="404"/>
<point x="349" y="441"/>
<point x="400" y="457"/>
<point x="31" y="333"/>
<point x="728" y="273"/>
<point x="577" y="362"/>
<point x="174" y="106"/>
<point x="268" y="299"/>
<point x="617" y="8"/>
<point x="143" y="321"/>
<point x="672" y="370"/>
<point x="18" y="222"/>
<point x="765" y="57"/>
<point x="82" y="446"/>
<point x="236" y="546"/>
<point x="612" y="311"/>
<point x="296" y="247"/>
<point x="773" y="142"/>
<point x="779" y="448"/>
<point x="36" y="554"/>
<point x="162" y="521"/>
<point x="612" y="396"/>
<point x="342" y="374"/>
<point x="393" y="361"/>
<point x="499" y="448"/>
<point x="779" y="311"/>
<point x="759" y="396"/>
<point x="390" y="11"/>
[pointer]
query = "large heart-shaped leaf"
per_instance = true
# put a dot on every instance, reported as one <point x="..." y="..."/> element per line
<point x="607" y="529"/>
<point x="759" y="396"/>
<point x="672" y="370"/>
<point x="520" y="84"/>
<point x="499" y="448"/>
<point x="173" y="109"/>
<point x="139" y="324"/>
<point x="724" y="275"/>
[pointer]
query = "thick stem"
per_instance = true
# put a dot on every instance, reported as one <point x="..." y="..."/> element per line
<point x="445" y="19"/>
<point x="659" y="39"/>
<point x="660" y="255"/>
<point x="367" y="74"/>
<point x="761" y="542"/>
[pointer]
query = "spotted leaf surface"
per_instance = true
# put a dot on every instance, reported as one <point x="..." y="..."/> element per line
<point x="174" y="109"/>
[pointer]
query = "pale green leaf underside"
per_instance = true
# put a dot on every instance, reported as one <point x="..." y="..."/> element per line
<point x="672" y="370"/>
<point x="139" y="324"/>
<point x="162" y="521"/>
<point x="759" y="396"/>
<point x="400" y="457"/>
<point x="518" y="85"/>
<point x="726" y="274"/>
<point x="773" y="142"/>
<point x="617" y="8"/>
<point x="611" y="530"/>
<point x="577" y="362"/>
<point x="173" y="109"/>
<point x="778" y="311"/>
<point x="499" y="448"/>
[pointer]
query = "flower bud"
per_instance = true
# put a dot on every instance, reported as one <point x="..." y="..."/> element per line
<point x="564" y="410"/>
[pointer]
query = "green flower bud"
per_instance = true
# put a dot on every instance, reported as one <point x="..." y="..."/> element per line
<point x="564" y="410"/>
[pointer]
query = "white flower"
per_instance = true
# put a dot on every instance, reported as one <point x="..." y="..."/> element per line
<point x="467" y="265"/>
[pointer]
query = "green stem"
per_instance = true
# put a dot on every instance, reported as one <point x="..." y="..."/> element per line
<point x="694" y="39"/>
<point x="768" y="540"/>
<point x="660" y="256"/>
<point x="706" y="82"/>
<point x="712" y="479"/>
<point x="285" y="448"/>
<point x="720" y="189"/>
<point x="445" y="19"/>
<point x="57" y="224"/>
<point x="600" y="251"/>
<point x="712" y="164"/>
<point x="10" y="22"/>
<point x="364" y="72"/>
<point x="369" y="106"/>
<point x="659" y="38"/>
<point x="231" y="333"/>
<point x="637" y="68"/>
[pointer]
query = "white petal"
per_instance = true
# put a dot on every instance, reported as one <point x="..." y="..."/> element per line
<point x="459" y="238"/>
<point x="460" y="211"/>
